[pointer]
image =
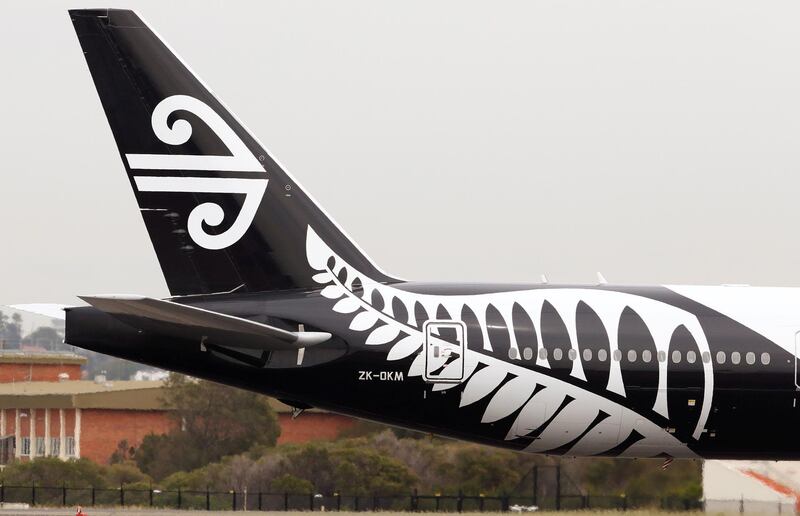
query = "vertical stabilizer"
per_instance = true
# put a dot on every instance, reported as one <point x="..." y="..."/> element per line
<point x="221" y="212"/>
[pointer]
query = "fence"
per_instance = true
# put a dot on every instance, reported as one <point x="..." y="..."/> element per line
<point x="64" y="496"/>
<point x="780" y="505"/>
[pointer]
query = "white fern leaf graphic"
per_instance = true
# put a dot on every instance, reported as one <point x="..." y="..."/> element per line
<point x="364" y="321"/>
<point x="333" y="292"/>
<point x="509" y="398"/>
<point x="534" y="414"/>
<point x="347" y="305"/>
<point x="322" y="278"/>
<point x="355" y="292"/>
<point x="382" y="335"/>
<point x="549" y="419"/>
<point x="564" y="427"/>
<point x="417" y="366"/>
<point x="405" y="347"/>
<point x="471" y="362"/>
<point x="481" y="384"/>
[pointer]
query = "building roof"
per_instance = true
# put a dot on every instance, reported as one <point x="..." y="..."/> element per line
<point x="23" y="357"/>
<point x="119" y="395"/>
<point x="124" y="395"/>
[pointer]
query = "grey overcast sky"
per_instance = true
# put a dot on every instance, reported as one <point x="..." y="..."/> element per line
<point x="655" y="141"/>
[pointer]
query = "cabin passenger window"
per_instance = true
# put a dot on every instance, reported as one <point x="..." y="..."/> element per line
<point x="602" y="355"/>
<point x="662" y="356"/>
<point x="558" y="354"/>
<point x="750" y="358"/>
<point x="512" y="353"/>
<point x="572" y="354"/>
<point x="765" y="358"/>
<point x="676" y="357"/>
<point x="587" y="355"/>
<point x="617" y="355"/>
<point x="646" y="356"/>
<point x="706" y="357"/>
<point x="691" y="357"/>
<point x="527" y="353"/>
<point x="720" y="357"/>
<point x="543" y="353"/>
<point x="736" y="357"/>
<point x="631" y="355"/>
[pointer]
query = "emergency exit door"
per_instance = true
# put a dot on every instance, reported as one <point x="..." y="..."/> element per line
<point x="445" y="343"/>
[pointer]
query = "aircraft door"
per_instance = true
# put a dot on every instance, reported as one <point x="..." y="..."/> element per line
<point x="445" y="343"/>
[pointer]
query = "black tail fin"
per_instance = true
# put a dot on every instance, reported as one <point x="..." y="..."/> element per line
<point x="221" y="212"/>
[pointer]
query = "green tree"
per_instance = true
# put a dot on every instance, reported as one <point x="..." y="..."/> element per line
<point x="350" y="466"/>
<point x="362" y="470"/>
<point x="123" y="453"/>
<point x="197" y="479"/>
<point x="44" y="336"/>
<point x="477" y="469"/>
<point x="385" y="464"/>
<point x="125" y="473"/>
<point x="643" y="478"/>
<point x="288" y="483"/>
<point x="157" y="455"/>
<point x="211" y="422"/>
<point x="10" y="330"/>
<point x="51" y="471"/>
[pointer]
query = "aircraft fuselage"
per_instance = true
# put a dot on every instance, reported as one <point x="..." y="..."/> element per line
<point x="586" y="370"/>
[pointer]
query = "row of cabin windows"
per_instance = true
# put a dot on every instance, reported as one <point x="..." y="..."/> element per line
<point x="646" y="356"/>
<point x="55" y="446"/>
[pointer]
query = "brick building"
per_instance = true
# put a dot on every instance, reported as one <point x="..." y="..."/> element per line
<point x="45" y="410"/>
<point x="77" y="418"/>
<point x="39" y="367"/>
<point x="312" y="425"/>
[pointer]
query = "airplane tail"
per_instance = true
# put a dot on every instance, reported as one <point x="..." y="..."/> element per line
<point x="221" y="212"/>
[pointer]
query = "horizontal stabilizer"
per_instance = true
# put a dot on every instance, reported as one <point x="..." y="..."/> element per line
<point x="46" y="309"/>
<point x="189" y="322"/>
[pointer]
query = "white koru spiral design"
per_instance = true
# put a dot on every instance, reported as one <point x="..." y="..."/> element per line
<point x="240" y="160"/>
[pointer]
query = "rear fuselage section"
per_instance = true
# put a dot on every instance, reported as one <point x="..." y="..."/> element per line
<point x="590" y="370"/>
